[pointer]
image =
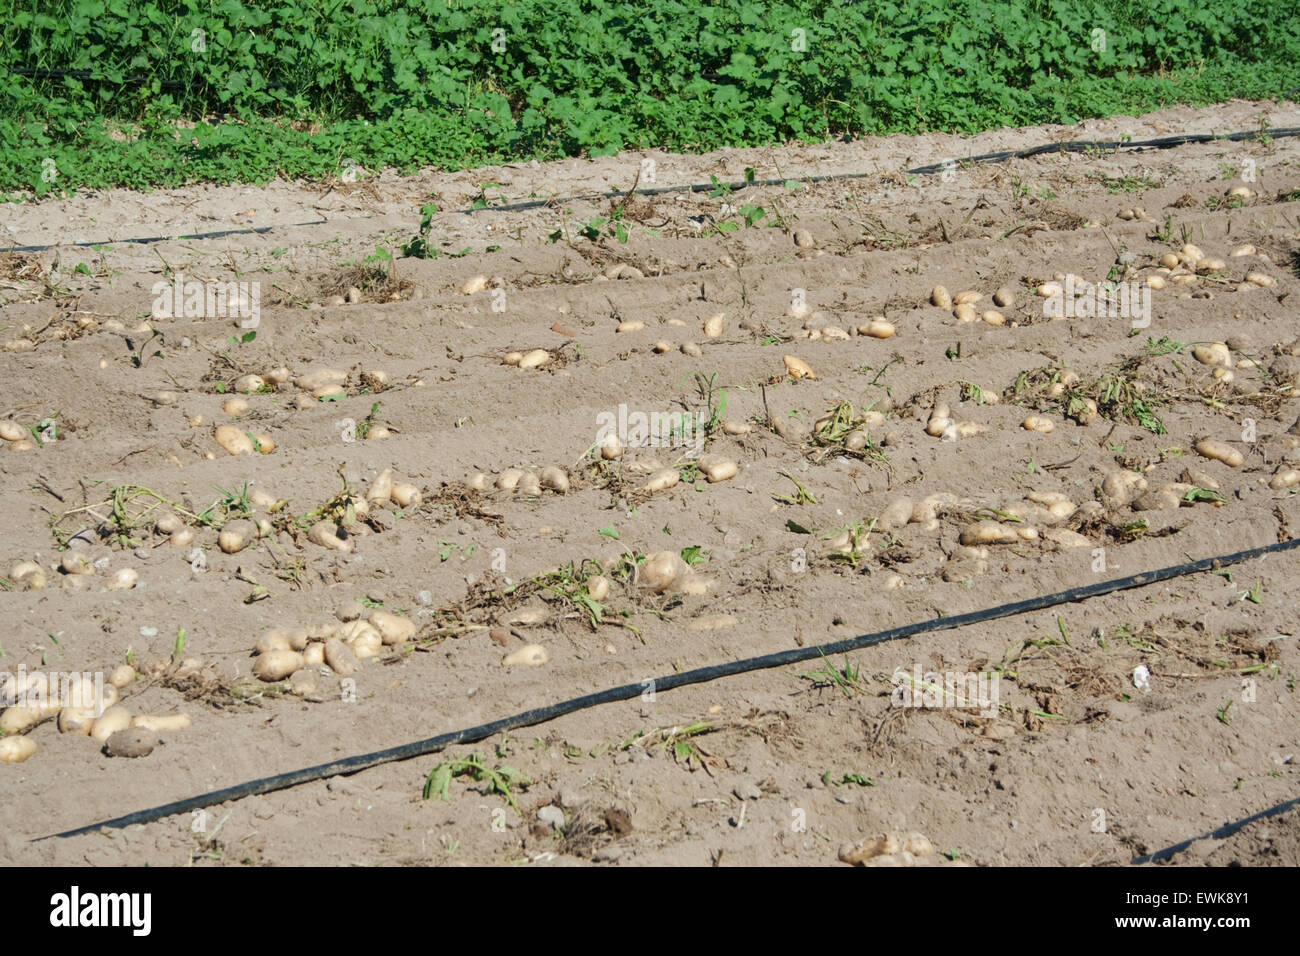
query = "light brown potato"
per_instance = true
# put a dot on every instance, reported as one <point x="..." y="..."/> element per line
<point x="406" y="495"/>
<point x="20" y="718"/>
<point x="719" y="469"/>
<point x="16" y="749"/>
<point x="340" y="658"/>
<point x="529" y="485"/>
<point x="249" y="384"/>
<point x="535" y="359"/>
<point x="715" y="325"/>
<point x="235" y="536"/>
<point x="732" y="427"/>
<point x="941" y="297"/>
<point x="1038" y="423"/>
<point x="989" y="532"/>
<point x="123" y="579"/>
<point x="1220" y="451"/>
<point x="325" y="534"/>
<point x="474" y="284"/>
<point x="110" y="722"/>
<point x="969" y="297"/>
<point x="508" y="480"/>
<point x="1261" y="279"/>
<point x="313" y="655"/>
<point x="797" y="368"/>
<point x="630" y="325"/>
<point x="895" y="514"/>
<point x="76" y="720"/>
<point x="598" y="587"/>
<point x="662" y="480"/>
<point x="513" y="358"/>
<point x="877" y="329"/>
<point x="530" y="655"/>
<point x="381" y="489"/>
<point x="662" y="571"/>
<point x="555" y="479"/>
<point x="393" y="628"/>
<point x="272" y="640"/>
<point x="12" y="431"/>
<point x="1004" y="298"/>
<point x="123" y="675"/>
<point x="965" y="312"/>
<point x="76" y="561"/>
<point x="320" y="378"/>
<point x="993" y="317"/>
<point x="161" y="723"/>
<point x="367" y="644"/>
<point x="233" y="440"/>
<point x="276" y="665"/>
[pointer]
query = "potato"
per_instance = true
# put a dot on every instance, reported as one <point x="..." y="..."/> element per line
<point x="1060" y="506"/>
<point x="236" y="536"/>
<point x="1261" y="279"/>
<point x="1004" y="298"/>
<point x="76" y="561"/>
<point x="797" y="368"/>
<point x="1214" y="354"/>
<point x="1038" y="423"/>
<point x="715" y="325"/>
<point x="661" y="480"/>
<point x="328" y="392"/>
<point x="160" y="724"/>
<point x="535" y="359"/>
<point x="75" y="720"/>
<point x="278" y="376"/>
<point x="895" y="514"/>
<point x="1220" y="451"/>
<point x="1156" y="282"/>
<point x="1210" y="265"/>
<point x="691" y="349"/>
<point x="513" y="358"/>
<point x="529" y="485"/>
<point x="731" y="427"/>
<point x="168" y="523"/>
<point x="803" y="239"/>
<point x="275" y="639"/>
<point x="181" y="538"/>
<point x="662" y="571"/>
<point x="12" y="431"/>
<point x="124" y="579"/>
<point x="1283" y="478"/>
<point x="718" y="469"/>
<point x="1240" y="192"/>
<point x="393" y="628"/>
<point x="20" y="718"/>
<point x="313" y="655"/>
<point x="1191" y="254"/>
<point x="325" y="534"/>
<point x="965" y="312"/>
<point x="598" y="587"/>
<point x="474" y="284"/>
<point x="1049" y="290"/>
<point x="988" y="532"/>
<point x="276" y="665"/>
<point x="941" y="297"/>
<point x="630" y="325"/>
<point x="877" y="329"/>
<point x="367" y="644"/>
<point x="16" y="749"/>
<point x="375" y="380"/>
<point x="110" y="722"/>
<point x="993" y="317"/>
<point x="554" y="479"/>
<point x="123" y="675"/>
<point x="233" y="440"/>
<point x="381" y="489"/>
<point x="662" y="347"/>
<point x="27" y="576"/>
<point x="530" y="655"/>
<point x="406" y="495"/>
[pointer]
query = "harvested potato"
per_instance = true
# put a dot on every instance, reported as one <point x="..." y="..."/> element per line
<point x="716" y="469"/>
<point x="969" y="297"/>
<point x="76" y="561"/>
<point x="369" y="643"/>
<point x="1261" y="279"/>
<point x="965" y="312"/>
<point x="535" y="359"/>
<point x="941" y="297"/>
<point x="406" y="495"/>
<point x="235" y="406"/>
<point x="662" y="480"/>
<point x="393" y="628"/>
<point x="662" y="571"/>
<point x="274" y="639"/>
<point x="313" y="655"/>
<point x="234" y="441"/>
<point x="236" y="536"/>
<point x="630" y="325"/>
<point x="1283" y="478"/>
<point x="1220" y="451"/>
<point x="27" y="576"/>
<point x="340" y="658"/>
<point x="110" y="722"/>
<point x="555" y="479"/>
<point x="989" y="532"/>
<point x="76" y="720"/>
<point x="731" y="427"/>
<point x="508" y="480"/>
<point x="797" y="368"/>
<point x="381" y="489"/>
<point x="714" y="325"/>
<point x="16" y="749"/>
<point x="474" y="284"/>
<point x="123" y="675"/>
<point x="1038" y="423"/>
<point x="513" y="358"/>
<point x="530" y="655"/>
<point x="1004" y="298"/>
<point x="993" y="317"/>
<point x="529" y="485"/>
<point x="161" y="724"/>
<point x="877" y="329"/>
<point x="325" y="534"/>
<point x="123" y="579"/>
<point x="276" y="665"/>
<point x="20" y="718"/>
<point x="598" y="587"/>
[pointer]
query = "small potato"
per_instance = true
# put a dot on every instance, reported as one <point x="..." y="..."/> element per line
<point x="630" y="325"/>
<point x="508" y="480"/>
<point x="714" y="325"/>
<point x="367" y="644"/>
<point x="1156" y="282"/>
<point x="555" y="479"/>
<point x="1220" y="451"/>
<point x="474" y="284"/>
<point x="797" y="368"/>
<point x="233" y="440"/>
<point x="181" y="538"/>
<point x="969" y="297"/>
<point x="662" y="347"/>
<point x="12" y="431"/>
<point x="235" y="537"/>
<point x="1284" y="478"/>
<point x="313" y="655"/>
<point x="393" y="628"/>
<point x="1246" y="250"/>
<point x="278" y="376"/>
<point x="320" y="378"/>
<point x="1261" y="279"/>
<point x="989" y="532"/>
<point x="249" y="384"/>
<point x="76" y="561"/>
<point x="662" y="480"/>
<point x="1191" y="254"/>
<point x="895" y="514"/>
<point x="1216" y="353"/>
<point x="719" y="470"/>
<point x="877" y="329"/>
<point x="513" y="358"/>
<point x="598" y="587"/>
<point x="160" y="724"/>
<point x="325" y="534"/>
<point x="76" y="720"/>
<point x="1170" y="261"/>
<point x="530" y="655"/>
<point x="381" y="489"/>
<point x="1038" y="423"/>
<point x="993" y="317"/>
<point x="662" y="571"/>
<point x="691" y="349"/>
<point x="1050" y="290"/>
<point x="110" y="722"/>
<point x="124" y="579"/>
<point x="276" y="665"/>
<point x="1210" y="265"/>
<point x="611" y="447"/>
<point x="16" y="749"/>
<point x="1240" y="192"/>
<point x="27" y="576"/>
<point x="535" y="359"/>
<point x="20" y="718"/>
<point x="328" y="392"/>
<point x="406" y="495"/>
<point x="273" y="640"/>
<point x="965" y="312"/>
<point x="1004" y="298"/>
<point x="941" y="297"/>
<point x="123" y="675"/>
<point x="529" y="485"/>
<point x="731" y="427"/>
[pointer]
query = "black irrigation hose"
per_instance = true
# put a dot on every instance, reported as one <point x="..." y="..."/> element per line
<point x="419" y="748"/>
<point x="1225" y="831"/>
<point x="260" y="230"/>
<point x="1166" y="142"/>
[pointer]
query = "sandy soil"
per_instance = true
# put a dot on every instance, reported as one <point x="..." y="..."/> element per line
<point x="1077" y="766"/>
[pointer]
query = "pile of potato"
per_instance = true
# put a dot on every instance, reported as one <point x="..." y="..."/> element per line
<point x="76" y="573"/>
<point x="282" y="652"/>
<point x="15" y="437"/>
<point x="895" y="849"/>
<point x="962" y="305"/>
<point x="1187" y="266"/>
<point x="95" y="715"/>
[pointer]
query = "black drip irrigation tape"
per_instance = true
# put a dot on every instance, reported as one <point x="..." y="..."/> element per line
<point x="1225" y="831"/>
<point x="1082" y="146"/>
<point x="145" y="240"/>
<point x="528" y="718"/>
